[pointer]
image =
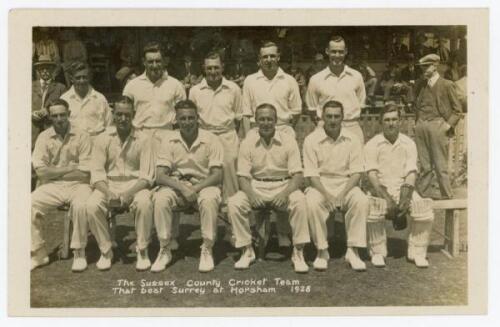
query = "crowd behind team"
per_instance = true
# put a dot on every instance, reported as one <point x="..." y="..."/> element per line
<point x="160" y="150"/>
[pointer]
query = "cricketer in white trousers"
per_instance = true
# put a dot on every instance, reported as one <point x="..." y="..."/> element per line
<point x="283" y="227"/>
<point x="166" y="200"/>
<point x="141" y="208"/>
<point x="422" y="217"/>
<point x="51" y="195"/>
<point x="355" y="207"/>
<point x="239" y="210"/>
<point x="231" y="143"/>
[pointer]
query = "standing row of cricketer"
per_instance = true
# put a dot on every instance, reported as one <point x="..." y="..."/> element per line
<point x="142" y="164"/>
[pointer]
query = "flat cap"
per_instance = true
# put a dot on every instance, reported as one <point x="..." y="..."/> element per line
<point x="429" y="59"/>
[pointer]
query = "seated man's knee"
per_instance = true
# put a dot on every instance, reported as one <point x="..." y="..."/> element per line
<point x="143" y="200"/>
<point x="164" y="197"/>
<point x="297" y="198"/>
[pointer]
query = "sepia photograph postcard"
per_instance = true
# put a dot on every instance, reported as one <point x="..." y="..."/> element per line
<point x="243" y="162"/>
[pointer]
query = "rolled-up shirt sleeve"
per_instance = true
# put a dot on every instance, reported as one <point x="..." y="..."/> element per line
<point x="311" y="164"/>
<point x="356" y="161"/>
<point x="244" y="160"/>
<point x="40" y="156"/>
<point x="98" y="168"/>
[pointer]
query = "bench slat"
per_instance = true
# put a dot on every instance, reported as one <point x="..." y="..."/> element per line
<point x="450" y="204"/>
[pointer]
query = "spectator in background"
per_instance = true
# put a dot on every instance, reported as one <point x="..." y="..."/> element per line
<point x="421" y="49"/>
<point x="399" y="50"/>
<point x="43" y="91"/>
<point x="408" y="76"/>
<point x="188" y="73"/>
<point x="462" y="87"/>
<point x="47" y="47"/>
<point x="390" y="79"/>
<point x="73" y="51"/>
<point x="238" y="72"/>
<point x="452" y="71"/>
<point x="370" y="79"/>
<point x="89" y="109"/>
<point x="317" y="65"/>
<point x="129" y="57"/>
<point x="442" y="50"/>
<point x="299" y="76"/>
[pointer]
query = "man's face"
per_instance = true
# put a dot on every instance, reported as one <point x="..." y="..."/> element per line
<point x="45" y="72"/>
<point x="390" y="124"/>
<point x="269" y="59"/>
<point x="153" y="64"/>
<point x="332" y="117"/>
<point x="213" y="70"/>
<point x="187" y="120"/>
<point x="123" y="115"/>
<point x="266" y="121"/>
<point x="336" y="52"/>
<point x="59" y="116"/>
<point x="429" y="70"/>
<point x="81" y="80"/>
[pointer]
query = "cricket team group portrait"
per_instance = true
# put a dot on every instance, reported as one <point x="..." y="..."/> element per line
<point x="330" y="159"/>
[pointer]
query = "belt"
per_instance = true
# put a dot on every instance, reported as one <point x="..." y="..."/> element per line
<point x="350" y="120"/>
<point x="121" y="178"/>
<point x="272" y="179"/>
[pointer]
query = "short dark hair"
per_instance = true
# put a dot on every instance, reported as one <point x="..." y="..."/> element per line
<point x="123" y="99"/>
<point x="78" y="66"/>
<point x="268" y="44"/>
<point x="214" y="55"/>
<point x="337" y="38"/>
<point x="58" y="102"/>
<point x="334" y="104"/>
<point x="151" y="47"/>
<point x="389" y="107"/>
<point x="266" y="106"/>
<point x="186" y="104"/>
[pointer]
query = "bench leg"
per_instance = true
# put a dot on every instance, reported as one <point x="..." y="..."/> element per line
<point x="263" y="228"/>
<point x="64" y="254"/>
<point x="452" y="232"/>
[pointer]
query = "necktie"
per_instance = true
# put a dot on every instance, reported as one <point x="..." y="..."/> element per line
<point x="45" y="87"/>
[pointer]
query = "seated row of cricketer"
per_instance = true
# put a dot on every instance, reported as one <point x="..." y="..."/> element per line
<point x="186" y="167"/>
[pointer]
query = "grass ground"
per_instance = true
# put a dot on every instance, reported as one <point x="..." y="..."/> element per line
<point x="400" y="283"/>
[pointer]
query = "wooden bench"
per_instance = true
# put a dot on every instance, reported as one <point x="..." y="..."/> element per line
<point x="451" y="234"/>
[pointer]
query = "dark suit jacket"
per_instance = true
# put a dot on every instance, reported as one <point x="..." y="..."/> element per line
<point x="447" y="102"/>
<point x="54" y="91"/>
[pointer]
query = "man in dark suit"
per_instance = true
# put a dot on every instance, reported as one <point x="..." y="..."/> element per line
<point x="43" y="90"/>
<point x="438" y="112"/>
